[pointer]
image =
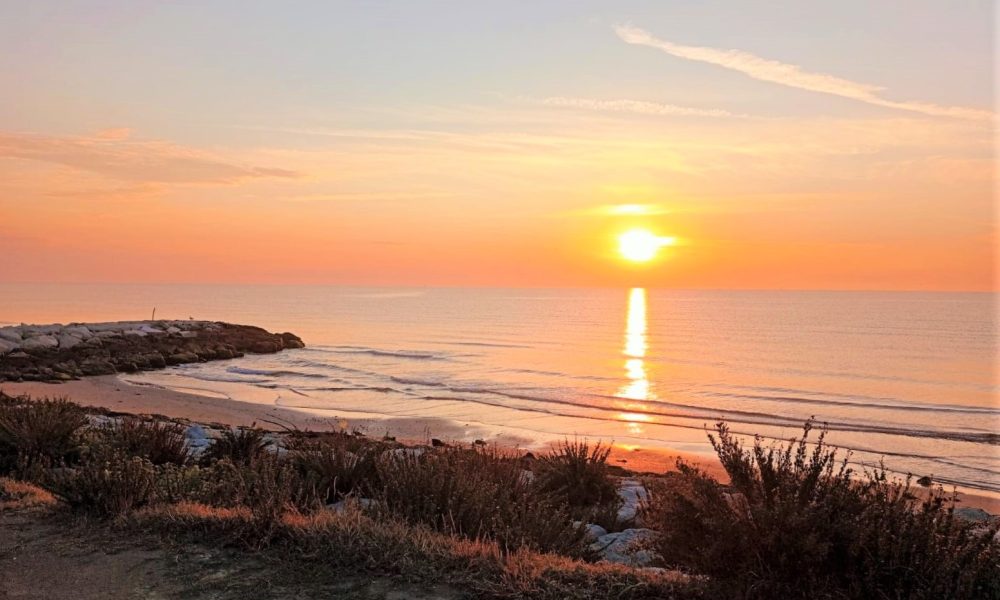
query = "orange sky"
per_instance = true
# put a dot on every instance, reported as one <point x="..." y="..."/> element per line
<point x="789" y="178"/>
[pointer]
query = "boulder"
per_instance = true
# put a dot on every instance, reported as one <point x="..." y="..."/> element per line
<point x="67" y="341"/>
<point x="39" y="342"/>
<point x="625" y="547"/>
<point x="7" y="346"/>
<point x="96" y="366"/>
<point x="79" y="331"/>
<point x="11" y="334"/>
<point x="290" y="340"/>
<point x="632" y="493"/>
<point x="182" y="357"/>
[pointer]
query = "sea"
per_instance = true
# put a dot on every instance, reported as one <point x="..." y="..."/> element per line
<point x="904" y="379"/>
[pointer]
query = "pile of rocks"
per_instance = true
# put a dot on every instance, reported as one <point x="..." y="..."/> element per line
<point x="62" y="352"/>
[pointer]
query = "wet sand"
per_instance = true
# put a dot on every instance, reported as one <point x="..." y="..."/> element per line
<point x="111" y="393"/>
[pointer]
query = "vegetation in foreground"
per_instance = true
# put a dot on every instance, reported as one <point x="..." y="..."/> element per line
<point x="794" y="522"/>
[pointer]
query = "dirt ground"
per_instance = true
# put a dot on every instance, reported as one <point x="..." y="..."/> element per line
<point x="48" y="556"/>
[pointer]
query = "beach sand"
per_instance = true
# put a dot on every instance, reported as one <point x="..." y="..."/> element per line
<point x="111" y="393"/>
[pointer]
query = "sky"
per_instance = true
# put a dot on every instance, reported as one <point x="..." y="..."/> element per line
<point x="782" y="144"/>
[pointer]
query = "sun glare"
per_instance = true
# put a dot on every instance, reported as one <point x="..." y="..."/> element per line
<point x="641" y="245"/>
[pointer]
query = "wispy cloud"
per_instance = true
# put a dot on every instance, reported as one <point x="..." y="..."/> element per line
<point x="117" y="156"/>
<point x="793" y="75"/>
<point x="637" y="107"/>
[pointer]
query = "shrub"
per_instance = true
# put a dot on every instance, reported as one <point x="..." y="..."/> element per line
<point x="795" y="523"/>
<point x="241" y="446"/>
<point x="107" y="486"/>
<point x="337" y="465"/>
<point x="579" y="476"/>
<point x="478" y="494"/>
<point x="39" y="434"/>
<point x="269" y="488"/>
<point x="159" y="442"/>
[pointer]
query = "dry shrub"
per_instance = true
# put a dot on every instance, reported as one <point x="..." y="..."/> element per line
<point x="579" y="477"/>
<point x="796" y="523"/>
<point x="110" y="485"/>
<point x="240" y="446"/>
<point x="157" y="441"/>
<point x="337" y="465"/>
<point x="39" y="434"/>
<point x="479" y="494"/>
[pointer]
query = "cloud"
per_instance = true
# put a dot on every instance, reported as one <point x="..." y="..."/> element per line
<point x="116" y="156"/>
<point x="793" y="75"/>
<point x="637" y="107"/>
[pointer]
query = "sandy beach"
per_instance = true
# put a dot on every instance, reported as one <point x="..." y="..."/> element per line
<point x="112" y="393"/>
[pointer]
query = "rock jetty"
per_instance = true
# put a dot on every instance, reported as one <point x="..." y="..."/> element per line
<point x="63" y="352"/>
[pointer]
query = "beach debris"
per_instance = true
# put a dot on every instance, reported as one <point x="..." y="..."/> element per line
<point x="925" y="481"/>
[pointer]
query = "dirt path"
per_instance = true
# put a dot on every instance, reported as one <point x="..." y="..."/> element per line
<point x="45" y="556"/>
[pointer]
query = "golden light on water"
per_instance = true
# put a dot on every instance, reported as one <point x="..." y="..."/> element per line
<point x="636" y="388"/>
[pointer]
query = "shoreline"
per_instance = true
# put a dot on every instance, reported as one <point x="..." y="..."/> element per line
<point x="111" y="393"/>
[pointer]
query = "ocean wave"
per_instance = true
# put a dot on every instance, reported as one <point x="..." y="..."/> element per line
<point x="274" y="372"/>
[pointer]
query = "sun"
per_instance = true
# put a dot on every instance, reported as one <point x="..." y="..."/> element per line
<point x="641" y="245"/>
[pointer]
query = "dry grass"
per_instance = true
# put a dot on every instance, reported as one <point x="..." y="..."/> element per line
<point x="356" y="541"/>
<point x="240" y="446"/>
<point x="18" y="495"/>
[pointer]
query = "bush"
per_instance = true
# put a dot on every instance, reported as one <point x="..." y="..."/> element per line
<point x="240" y="446"/>
<point x="159" y="442"/>
<point x="108" y="486"/>
<point x="39" y="434"/>
<point x="337" y="465"/>
<point x="579" y="476"/>
<point x="795" y="523"/>
<point x="478" y="494"/>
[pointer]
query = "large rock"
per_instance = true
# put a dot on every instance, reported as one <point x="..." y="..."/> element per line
<point x="633" y="494"/>
<point x="67" y="341"/>
<point x="625" y="547"/>
<point x="101" y="348"/>
<point x="39" y="342"/>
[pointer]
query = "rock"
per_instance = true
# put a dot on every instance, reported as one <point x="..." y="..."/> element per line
<point x="265" y="347"/>
<point x="181" y="358"/>
<point x="632" y="493"/>
<point x="39" y="342"/>
<point x="96" y="366"/>
<point x="624" y="548"/>
<point x="290" y="340"/>
<point x="99" y="348"/>
<point x="11" y="334"/>
<point x="79" y="331"/>
<point x="67" y="341"/>
<point x="975" y="515"/>
<point x="197" y="438"/>
<point x="594" y="532"/>
<point x="438" y="443"/>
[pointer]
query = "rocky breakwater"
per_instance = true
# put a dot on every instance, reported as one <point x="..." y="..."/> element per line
<point x="64" y="352"/>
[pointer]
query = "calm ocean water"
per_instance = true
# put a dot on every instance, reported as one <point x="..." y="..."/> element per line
<point x="906" y="377"/>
